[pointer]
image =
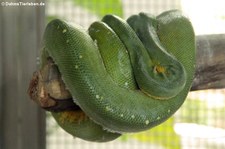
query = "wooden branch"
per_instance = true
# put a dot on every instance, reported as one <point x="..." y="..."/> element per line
<point x="49" y="91"/>
<point x="210" y="64"/>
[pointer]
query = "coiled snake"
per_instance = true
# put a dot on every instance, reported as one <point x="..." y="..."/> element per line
<point x="127" y="76"/>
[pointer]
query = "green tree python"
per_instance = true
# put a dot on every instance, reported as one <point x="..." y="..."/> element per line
<point x="126" y="76"/>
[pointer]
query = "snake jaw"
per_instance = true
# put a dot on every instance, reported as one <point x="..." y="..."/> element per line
<point x="72" y="116"/>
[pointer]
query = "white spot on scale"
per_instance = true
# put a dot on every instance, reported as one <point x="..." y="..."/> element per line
<point x="67" y="41"/>
<point x="80" y="56"/>
<point x="76" y="66"/>
<point x="126" y="83"/>
<point x="158" y="118"/>
<point x="96" y="42"/>
<point x="107" y="108"/>
<point x="64" y="30"/>
<point x="132" y="116"/>
<point x="168" y="111"/>
<point x="97" y="96"/>
<point x="121" y="115"/>
<point x="147" y="122"/>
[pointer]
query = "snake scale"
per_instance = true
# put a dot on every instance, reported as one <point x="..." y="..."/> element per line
<point x="127" y="76"/>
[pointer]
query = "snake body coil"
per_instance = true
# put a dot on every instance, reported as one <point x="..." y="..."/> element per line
<point x="145" y="73"/>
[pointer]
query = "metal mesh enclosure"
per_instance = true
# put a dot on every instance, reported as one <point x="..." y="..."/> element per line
<point x="199" y="124"/>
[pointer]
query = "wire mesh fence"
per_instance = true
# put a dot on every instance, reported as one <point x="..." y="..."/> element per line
<point x="199" y="124"/>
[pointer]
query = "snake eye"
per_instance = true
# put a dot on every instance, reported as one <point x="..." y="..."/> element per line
<point x="159" y="69"/>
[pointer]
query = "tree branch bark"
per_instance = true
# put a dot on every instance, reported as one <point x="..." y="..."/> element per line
<point x="210" y="62"/>
<point x="49" y="90"/>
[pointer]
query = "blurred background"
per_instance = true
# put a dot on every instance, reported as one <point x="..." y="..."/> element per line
<point x="198" y="124"/>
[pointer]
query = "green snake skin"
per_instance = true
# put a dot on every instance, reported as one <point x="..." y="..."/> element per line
<point x="73" y="121"/>
<point x="79" y="125"/>
<point x="127" y="76"/>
